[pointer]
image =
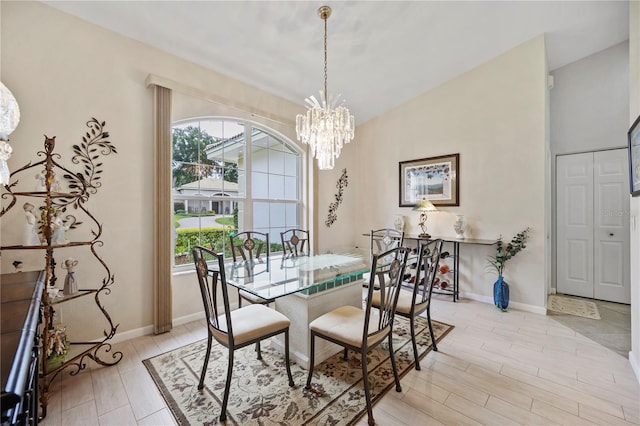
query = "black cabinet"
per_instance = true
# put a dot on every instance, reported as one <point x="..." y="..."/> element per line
<point x="20" y="297"/>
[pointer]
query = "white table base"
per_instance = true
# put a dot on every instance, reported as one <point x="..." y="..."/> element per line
<point x="301" y="309"/>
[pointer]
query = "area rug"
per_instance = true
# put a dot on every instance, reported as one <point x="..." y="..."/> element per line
<point x="260" y="394"/>
<point x="573" y="306"/>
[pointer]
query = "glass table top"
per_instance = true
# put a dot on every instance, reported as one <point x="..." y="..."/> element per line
<point x="278" y="276"/>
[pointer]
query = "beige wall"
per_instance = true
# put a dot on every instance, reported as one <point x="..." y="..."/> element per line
<point x="590" y="102"/>
<point x="634" y="111"/>
<point x="494" y="116"/>
<point x="63" y="71"/>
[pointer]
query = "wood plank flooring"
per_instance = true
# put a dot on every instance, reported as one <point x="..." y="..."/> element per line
<point x="494" y="368"/>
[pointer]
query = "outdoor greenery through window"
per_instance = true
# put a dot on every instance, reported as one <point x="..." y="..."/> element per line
<point x="230" y="176"/>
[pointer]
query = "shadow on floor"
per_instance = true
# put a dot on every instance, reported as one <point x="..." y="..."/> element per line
<point x="613" y="331"/>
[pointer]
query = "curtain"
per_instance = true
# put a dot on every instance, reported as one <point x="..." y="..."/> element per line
<point x="163" y="221"/>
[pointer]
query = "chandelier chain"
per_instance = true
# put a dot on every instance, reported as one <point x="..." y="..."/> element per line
<point x="326" y="93"/>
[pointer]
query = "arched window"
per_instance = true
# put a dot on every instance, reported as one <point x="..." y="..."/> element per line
<point x="230" y="176"/>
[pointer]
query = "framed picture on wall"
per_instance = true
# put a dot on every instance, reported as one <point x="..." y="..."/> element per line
<point x="634" y="157"/>
<point x="435" y="179"/>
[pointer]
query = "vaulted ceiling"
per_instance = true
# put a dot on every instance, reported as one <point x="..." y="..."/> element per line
<point x="381" y="53"/>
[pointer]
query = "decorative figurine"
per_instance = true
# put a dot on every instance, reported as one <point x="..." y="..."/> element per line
<point x="59" y="228"/>
<point x="55" y="185"/>
<point x="53" y="292"/>
<point x="41" y="182"/>
<point x="30" y="235"/>
<point x="70" y="284"/>
<point x="17" y="265"/>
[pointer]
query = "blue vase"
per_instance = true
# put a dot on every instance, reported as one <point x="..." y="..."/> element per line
<point x="501" y="294"/>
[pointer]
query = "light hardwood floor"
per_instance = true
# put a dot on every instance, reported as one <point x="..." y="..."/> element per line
<point x="494" y="368"/>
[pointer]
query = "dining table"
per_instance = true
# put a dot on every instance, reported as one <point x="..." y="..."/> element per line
<point x="304" y="288"/>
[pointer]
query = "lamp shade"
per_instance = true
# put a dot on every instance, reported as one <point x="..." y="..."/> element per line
<point x="424" y="206"/>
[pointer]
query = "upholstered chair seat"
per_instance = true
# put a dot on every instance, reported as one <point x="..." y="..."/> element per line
<point x="249" y="323"/>
<point x="346" y="324"/>
<point x="405" y="302"/>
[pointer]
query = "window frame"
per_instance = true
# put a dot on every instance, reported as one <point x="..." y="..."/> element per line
<point x="250" y="127"/>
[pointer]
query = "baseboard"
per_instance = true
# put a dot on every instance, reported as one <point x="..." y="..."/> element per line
<point x="515" y="305"/>
<point x="188" y="318"/>
<point x="634" y="365"/>
<point x="131" y="334"/>
<point x="148" y="329"/>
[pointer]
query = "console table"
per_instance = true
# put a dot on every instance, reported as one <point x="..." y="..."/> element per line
<point x="456" y="242"/>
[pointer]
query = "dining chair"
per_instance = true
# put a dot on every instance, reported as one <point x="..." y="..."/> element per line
<point x="363" y="329"/>
<point x="385" y="239"/>
<point x="295" y="242"/>
<point x="418" y="300"/>
<point x="233" y="329"/>
<point x="382" y="240"/>
<point x="250" y="246"/>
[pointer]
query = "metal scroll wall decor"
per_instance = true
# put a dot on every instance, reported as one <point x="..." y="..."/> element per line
<point x="342" y="183"/>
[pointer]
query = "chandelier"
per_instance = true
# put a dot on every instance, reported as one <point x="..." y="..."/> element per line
<point x="327" y="125"/>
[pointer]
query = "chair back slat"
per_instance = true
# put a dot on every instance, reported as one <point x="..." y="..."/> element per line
<point x="295" y="242"/>
<point x="388" y="267"/>
<point x="213" y="282"/>
<point x="385" y="239"/>
<point x="249" y="245"/>
<point x="427" y="269"/>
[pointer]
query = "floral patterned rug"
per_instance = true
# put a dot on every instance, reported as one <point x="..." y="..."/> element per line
<point x="260" y="394"/>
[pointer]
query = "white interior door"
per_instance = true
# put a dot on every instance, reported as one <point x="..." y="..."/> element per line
<point x="593" y="225"/>
<point x="574" y="203"/>
<point x="611" y="226"/>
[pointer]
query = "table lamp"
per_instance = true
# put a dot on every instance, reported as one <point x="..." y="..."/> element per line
<point x="424" y="206"/>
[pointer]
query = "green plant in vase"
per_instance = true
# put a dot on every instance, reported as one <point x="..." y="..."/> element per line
<point x="497" y="262"/>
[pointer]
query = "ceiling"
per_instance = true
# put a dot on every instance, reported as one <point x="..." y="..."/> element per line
<point x="380" y="53"/>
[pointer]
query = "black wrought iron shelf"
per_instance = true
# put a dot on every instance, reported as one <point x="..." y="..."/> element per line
<point x="77" y="187"/>
<point x="45" y="247"/>
<point x="75" y="357"/>
<point x="44" y="194"/>
<point x="67" y="297"/>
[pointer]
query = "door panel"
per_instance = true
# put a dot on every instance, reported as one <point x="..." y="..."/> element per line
<point x="611" y="226"/>
<point x="575" y="224"/>
<point x="577" y="255"/>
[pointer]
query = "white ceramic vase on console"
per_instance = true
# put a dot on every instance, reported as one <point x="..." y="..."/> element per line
<point x="458" y="226"/>
<point x="398" y="222"/>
